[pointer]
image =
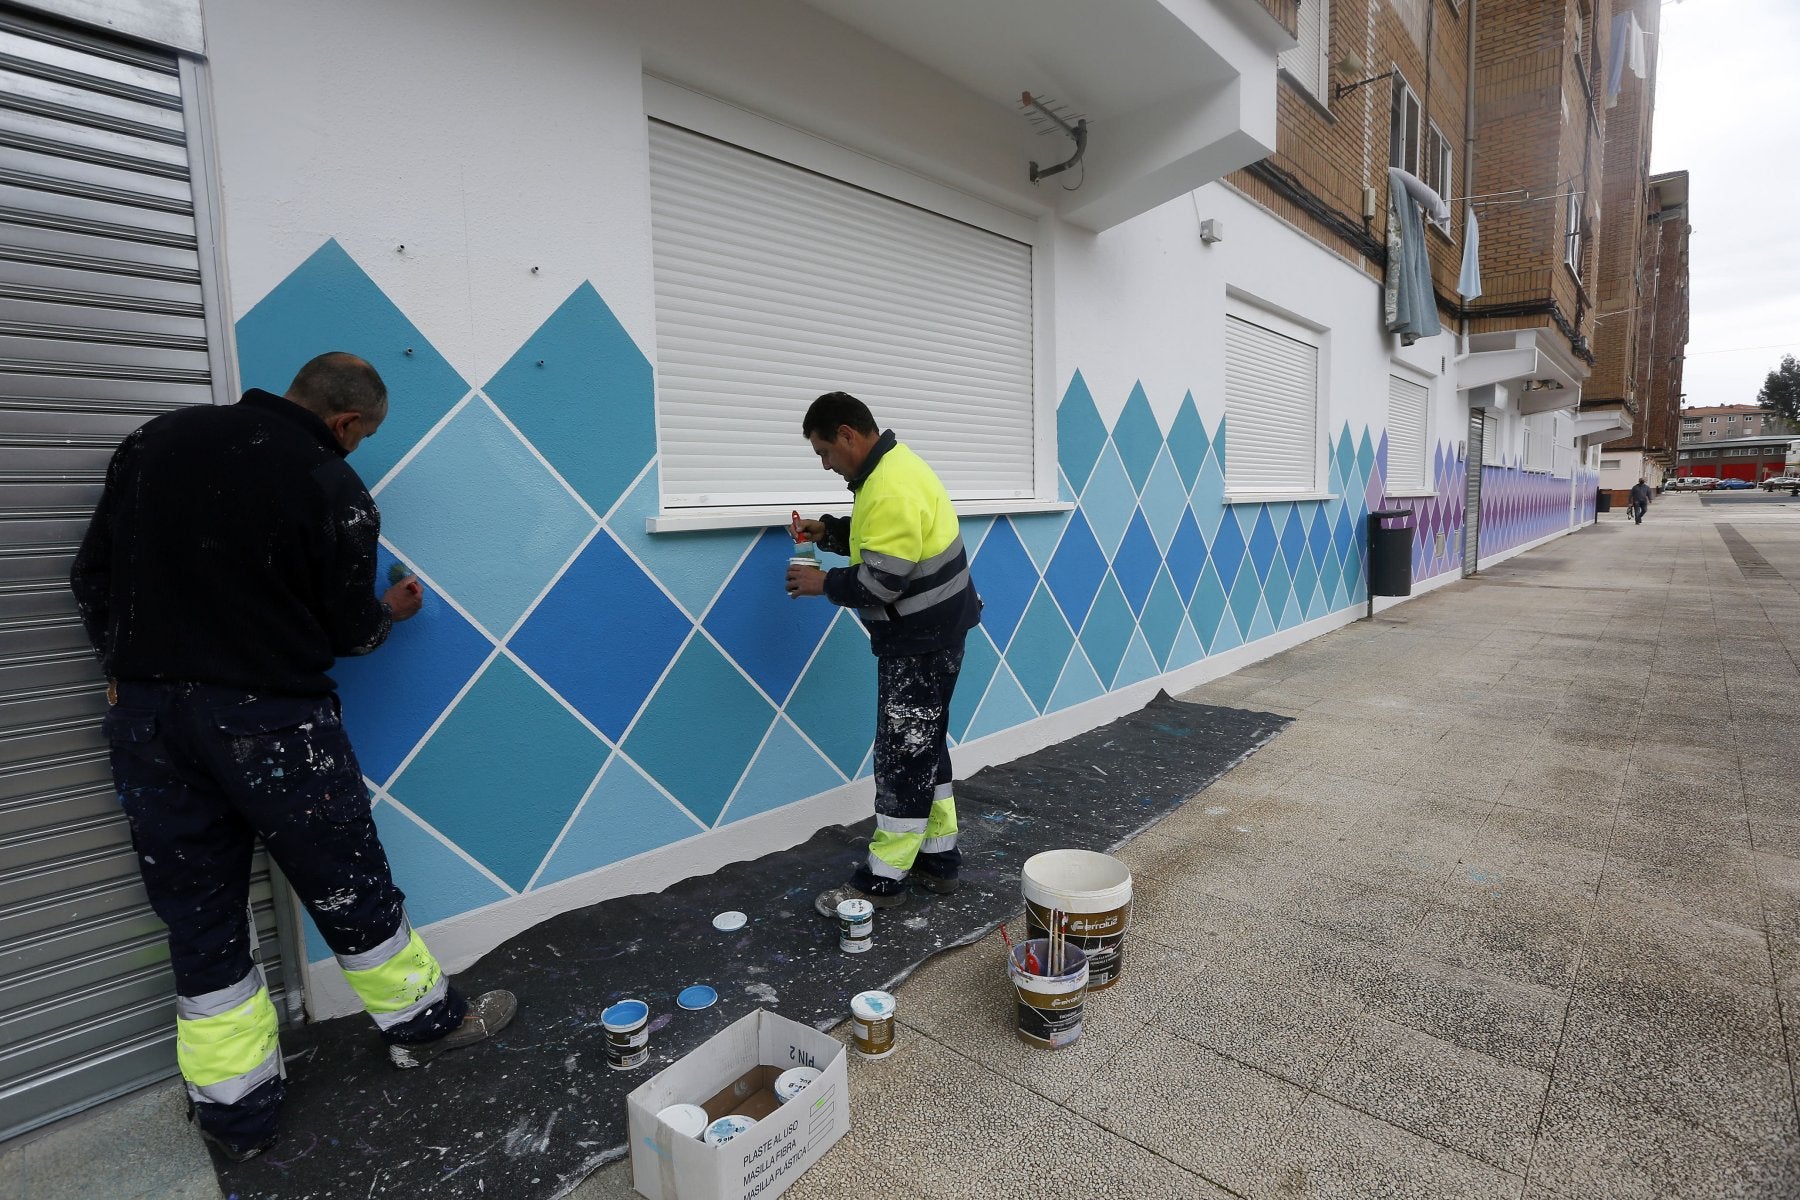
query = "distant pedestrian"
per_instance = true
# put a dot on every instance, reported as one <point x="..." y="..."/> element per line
<point x="1640" y="501"/>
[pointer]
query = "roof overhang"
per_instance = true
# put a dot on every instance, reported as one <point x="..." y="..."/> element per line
<point x="1603" y="422"/>
<point x="1176" y="93"/>
<point x="1519" y="369"/>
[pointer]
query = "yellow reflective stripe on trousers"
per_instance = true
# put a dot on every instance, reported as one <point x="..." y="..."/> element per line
<point x="891" y="853"/>
<point x="940" y="827"/>
<point x="226" y="1053"/>
<point x="400" y="985"/>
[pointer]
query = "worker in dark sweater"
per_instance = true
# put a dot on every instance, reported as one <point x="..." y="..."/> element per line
<point x="231" y="560"/>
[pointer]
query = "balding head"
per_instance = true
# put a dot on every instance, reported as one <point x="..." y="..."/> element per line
<point x="337" y="383"/>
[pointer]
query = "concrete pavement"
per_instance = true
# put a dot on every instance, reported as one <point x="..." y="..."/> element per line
<point x="1511" y="910"/>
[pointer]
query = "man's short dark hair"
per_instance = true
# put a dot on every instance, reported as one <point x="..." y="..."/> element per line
<point x="336" y="382"/>
<point x="834" y="410"/>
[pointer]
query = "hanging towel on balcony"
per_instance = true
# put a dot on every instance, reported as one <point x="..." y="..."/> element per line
<point x="1409" y="307"/>
<point x="1626" y="50"/>
<point x="1468" y="282"/>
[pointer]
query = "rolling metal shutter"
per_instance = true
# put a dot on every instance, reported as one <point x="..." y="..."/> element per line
<point x="1476" y="455"/>
<point x="1408" y="410"/>
<point x="775" y="284"/>
<point x="103" y="324"/>
<point x="1271" y="410"/>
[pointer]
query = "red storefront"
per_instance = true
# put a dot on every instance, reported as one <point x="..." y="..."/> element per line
<point x="1754" y="459"/>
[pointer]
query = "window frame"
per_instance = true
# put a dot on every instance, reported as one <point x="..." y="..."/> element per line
<point x="1423" y="486"/>
<point x="673" y="103"/>
<point x="1574" y="232"/>
<point x="1405" y="109"/>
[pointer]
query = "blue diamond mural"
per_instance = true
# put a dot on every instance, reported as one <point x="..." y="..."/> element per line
<point x="466" y="779"/>
<point x="1228" y="550"/>
<point x="478" y="513"/>
<point x="1109" y="501"/>
<point x="1005" y="577"/>
<point x="330" y="303"/>
<point x="1138" y="436"/>
<point x="581" y="390"/>
<point x="692" y="564"/>
<point x="1076" y="571"/>
<point x="787" y="768"/>
<point x="979" y="662"/>
<point x="1163" y="613"/>
<point x="1108" y="630"/>
<point x="603" y="636"/>
<point x="699" y="731"/>
<point x="768" y="632"/>
<point x="622" y="817"/>
<point x="392" y="696"/>
<point x="1080" y="433"/>
<point x="835" y="702"/>
<point x="1039" y="647"/>
<point x="1186" y="556"/>
<point x="1188" y="441"/>
<point x="1137" y="562"/>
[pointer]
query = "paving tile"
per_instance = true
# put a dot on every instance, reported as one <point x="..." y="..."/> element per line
<point x="1498" y="926"/>
<point x="1516" y="1023"/>
<point x="1631" y="1060"/>
<point x="1740" y="1017"/>
<point x="1631" y="939"/>
<point x="1718" y="882"/>
<point x="1331" y="1152"/>
<point x="1259" y="1020"/>
<point x="1453" y="1096"/>
<point x="1360" y="907"/>
<point x="1204" y="1111"/>
<point x="141" y="1146"/>
<point x="1592" y="1146"/>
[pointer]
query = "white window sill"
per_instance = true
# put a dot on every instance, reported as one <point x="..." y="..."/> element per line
<point x="1274" y="497"/>
<point x="1430" y="495"/>
<point x="763" y="516"/>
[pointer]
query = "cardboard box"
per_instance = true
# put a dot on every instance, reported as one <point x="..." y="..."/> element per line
<point x="735" y="1072"/>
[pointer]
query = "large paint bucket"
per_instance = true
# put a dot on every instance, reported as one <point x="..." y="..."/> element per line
<point x="1050" y="1005"/>
<point x="1093" y="893"/>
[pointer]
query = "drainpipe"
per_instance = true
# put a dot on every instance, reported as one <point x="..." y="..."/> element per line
<point x="1473" y="460"/>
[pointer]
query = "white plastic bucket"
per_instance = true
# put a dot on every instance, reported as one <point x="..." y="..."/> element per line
<point x="1050" y="1006"/>
<point x="1093" y="891"/>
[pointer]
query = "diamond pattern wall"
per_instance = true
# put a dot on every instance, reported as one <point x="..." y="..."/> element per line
<point x="578" y="691"/>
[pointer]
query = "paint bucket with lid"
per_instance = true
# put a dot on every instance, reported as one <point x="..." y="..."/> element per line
<point x="1092" y="892"/>
<point x="872" y="1024"/>
<point x="1050" y="1005"/>
<point x="726" y="1128"/>
<point x="792" y="1082"/>
<point x="689" y="1120"/>
<point x="856" y="926"/>
<point x="627" y="1026"/>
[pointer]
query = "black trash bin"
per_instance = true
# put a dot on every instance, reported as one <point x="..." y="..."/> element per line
<point x="1602" y="500"/>
<point x="1390" y="553"/>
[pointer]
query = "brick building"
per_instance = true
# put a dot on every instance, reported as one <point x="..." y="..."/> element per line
<point x="1712" y="422"/>
<point x="1659" y="323"/>
<point x="1752" y="458"/>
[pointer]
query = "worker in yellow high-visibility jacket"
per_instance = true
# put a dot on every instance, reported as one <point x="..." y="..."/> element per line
<point x="908" y="581"/>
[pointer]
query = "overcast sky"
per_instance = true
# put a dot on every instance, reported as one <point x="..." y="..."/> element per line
<point x="1728" y="113"/>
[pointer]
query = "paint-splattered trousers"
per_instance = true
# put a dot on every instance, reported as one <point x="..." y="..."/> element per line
<point x="201" y="773"/>
<point x="915" y="811"/>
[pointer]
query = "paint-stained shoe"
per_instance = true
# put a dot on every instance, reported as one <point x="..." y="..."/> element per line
<point x="236" y="1154"/>
<point x="488" y="1014"/>
<point x="937" y="884"/>
<point x="829" y="899"/>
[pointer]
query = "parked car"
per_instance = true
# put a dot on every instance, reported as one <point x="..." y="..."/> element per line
<point x="1734" y="485"/>
<point x="1693" y="483"/>
<point x="1782" y="483"/>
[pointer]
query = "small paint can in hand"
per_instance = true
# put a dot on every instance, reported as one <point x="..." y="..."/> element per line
<point x="627" y="1026"/>
<point x="689" y="1120"/>
<point x="856" y="926"/>
<point x="872" y="1024"/>
<point x="726" y="1128"/>
<point x="792" y="1082"/>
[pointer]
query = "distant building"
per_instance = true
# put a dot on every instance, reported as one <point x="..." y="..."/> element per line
<point x="1728" y="421"/>
<point x="1755" y="459"/>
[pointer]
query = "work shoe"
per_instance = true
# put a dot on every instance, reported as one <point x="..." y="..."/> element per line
<point x="488" y="1014"/>
<point x="941" y="885"/>
<point x="236" y="1154"/>
<point x="830" y="898"/>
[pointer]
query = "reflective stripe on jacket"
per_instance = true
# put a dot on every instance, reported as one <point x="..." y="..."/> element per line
<point x="908" y="577"/>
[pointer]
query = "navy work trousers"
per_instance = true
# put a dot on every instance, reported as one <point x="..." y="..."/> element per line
<point x="201" y="773"/>
<point x="915" y="812"/>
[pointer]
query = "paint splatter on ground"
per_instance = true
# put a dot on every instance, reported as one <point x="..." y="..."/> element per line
<point x="526" y="1126"/>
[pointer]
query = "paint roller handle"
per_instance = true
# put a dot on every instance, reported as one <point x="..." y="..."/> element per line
<point x="405" y="598"/>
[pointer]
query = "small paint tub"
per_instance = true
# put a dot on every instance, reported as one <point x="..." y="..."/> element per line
<point x="1092" y="893"/>
<point x="1050" y="1006"/>
<point x="872" y="1024"/>
<point x="689" y="1120"/>
<point x="726" y="1128"/>
<point x="627" y="1026"/>
<point x="791" y="1083"/>
<point x="856" y="926"/>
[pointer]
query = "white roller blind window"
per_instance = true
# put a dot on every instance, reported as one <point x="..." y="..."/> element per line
<point x="775" y="284"/>
<point x="1491" y="452"/>
<point x="1271" y="410"/>
<point x="1562" y="446"/>
<point x="1308" y="62"/>
<point x="1408" y="404"/>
